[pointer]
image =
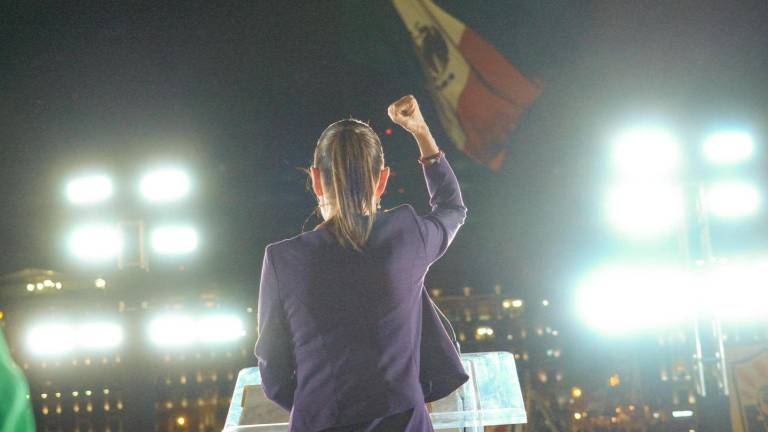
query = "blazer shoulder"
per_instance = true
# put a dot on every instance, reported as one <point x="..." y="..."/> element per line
<point x="402" y="208"/>
<point x="292" y="244"/>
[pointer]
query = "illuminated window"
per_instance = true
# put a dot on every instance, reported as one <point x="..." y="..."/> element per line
<point x="542" y="375"/>
<point x="484" y="333"/>
<point x="614" y="380"/>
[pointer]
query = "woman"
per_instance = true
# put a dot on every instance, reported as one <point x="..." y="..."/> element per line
<point x="348" y="338"/>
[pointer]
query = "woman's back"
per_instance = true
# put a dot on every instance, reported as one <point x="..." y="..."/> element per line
<point x="341" y="330"/>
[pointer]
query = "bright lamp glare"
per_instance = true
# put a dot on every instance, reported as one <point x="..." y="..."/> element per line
<point x="165" y="185"/>
<point x="625" y="299"/>
<point x="728" y="147"/>
<point x="89" y="190"/>
<point x="181" y="330"/>
<point x="222" y="328"/>
<point x="60" y="338"/>
<point x="644" y="211"/>
<point x="174" y="240"/>
<point x="172" y="331"/>
<point x="96" y="243"/>
<point x="51" y="339"/>
<point x="99" y="335"/>
<point x="736" y="291"/>
<point x="646" y="153"/>
<point x="732" y="200"/>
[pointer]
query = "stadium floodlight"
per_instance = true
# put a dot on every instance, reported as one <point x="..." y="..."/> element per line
<point x="174" y="240"/>
<point x="623" y="299"/>
<point x="220" y="328"/>
<point x="645" y="211"/>
<point x="173" y="331"/>
<point x="165" y="185"/>
<point x="89" y="189"/>
<point x="731" y="199"/>
<point x="99" y="242"/>
<point x="728" y="147"/>
<point x="51" y="339"/>
<point x="646" y="153"/>
<point x="99" y="335"/>
<point x="735" y="291"/>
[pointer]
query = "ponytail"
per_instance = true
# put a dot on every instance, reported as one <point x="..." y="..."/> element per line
<point x="350" y="159"/>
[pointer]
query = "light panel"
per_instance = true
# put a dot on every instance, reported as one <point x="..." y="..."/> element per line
<point x="624" y="299"/>
<point x="644" y="210"/>
<point x="728" y="147"/>
<point x="51" y="339"/>
<point x="736" y="291"/>
<point x="646" y="153"/>
<point x="172" y="331"/>
<point x="174" y="240"/>
<point x="89" y="189"/>
<point x="732" y="199"/>
<point x="96" y="243"/>
<point x="57" y="338"/>
<point x="619" y="299"/>
<point x="180" y="330"/>
<point x="220" y="328"/>
<point x="165" y="185"/>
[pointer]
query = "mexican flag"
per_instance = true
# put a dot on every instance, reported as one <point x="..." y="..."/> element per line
<point x="479" y="95"/>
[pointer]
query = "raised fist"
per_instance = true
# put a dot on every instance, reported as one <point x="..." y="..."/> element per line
<point x="406" y="113"/>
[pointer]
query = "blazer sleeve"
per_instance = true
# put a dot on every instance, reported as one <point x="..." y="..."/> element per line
<point x="274" y="348"/>
<point x="439" y="227"/>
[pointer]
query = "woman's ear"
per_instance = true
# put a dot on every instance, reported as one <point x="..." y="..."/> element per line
<point x="317" y="185"/>
<point x="383" y="177"/>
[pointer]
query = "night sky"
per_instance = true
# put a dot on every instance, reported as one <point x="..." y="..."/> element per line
<point x="239" y="93"/>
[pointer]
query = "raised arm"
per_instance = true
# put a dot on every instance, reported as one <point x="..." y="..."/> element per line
<point x="439" y="227"/>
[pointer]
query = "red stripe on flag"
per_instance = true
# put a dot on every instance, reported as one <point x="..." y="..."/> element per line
<point x="493" y="68"/>
<point x="495" y="97"/>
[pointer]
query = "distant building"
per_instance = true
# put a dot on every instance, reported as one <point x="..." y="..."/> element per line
<point x="529" y="329"/>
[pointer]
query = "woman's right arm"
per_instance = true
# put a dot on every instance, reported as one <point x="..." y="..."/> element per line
<point x="448" y="212"/>
<point x="439" y="227"/>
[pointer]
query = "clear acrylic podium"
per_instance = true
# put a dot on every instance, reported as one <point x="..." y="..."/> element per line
<point x="492" y="396"/>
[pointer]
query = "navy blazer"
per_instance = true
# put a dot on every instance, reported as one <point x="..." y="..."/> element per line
<point x="346" y="337"/>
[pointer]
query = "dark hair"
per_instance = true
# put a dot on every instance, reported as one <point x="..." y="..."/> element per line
<point x="350" y="158"/>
